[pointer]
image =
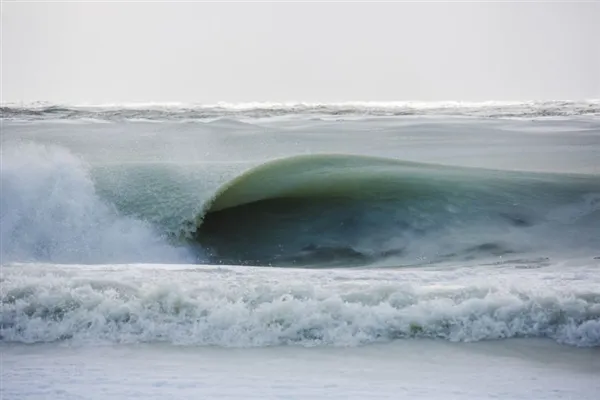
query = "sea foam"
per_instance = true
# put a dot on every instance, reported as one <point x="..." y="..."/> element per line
<point x="255" y="307"/>
<point x="51" y="212"/>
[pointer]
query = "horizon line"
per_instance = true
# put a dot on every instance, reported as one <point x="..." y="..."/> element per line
<point x="288" y="103"/>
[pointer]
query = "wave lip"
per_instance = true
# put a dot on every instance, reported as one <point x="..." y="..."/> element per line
<point x="253" y="308"/>
<point x="182" y="111"/>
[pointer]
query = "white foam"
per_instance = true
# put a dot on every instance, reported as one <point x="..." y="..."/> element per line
<point x="250" y="307"/>
<point x="51" y="212"/>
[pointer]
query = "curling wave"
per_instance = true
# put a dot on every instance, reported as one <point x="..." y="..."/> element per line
<point x="318" y="211"/>
<point x="356" y="210"/>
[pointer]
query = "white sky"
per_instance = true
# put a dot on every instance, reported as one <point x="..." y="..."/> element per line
<point x="207" y="52"/>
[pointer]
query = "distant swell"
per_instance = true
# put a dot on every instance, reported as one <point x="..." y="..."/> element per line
<point x="176" y="111"/>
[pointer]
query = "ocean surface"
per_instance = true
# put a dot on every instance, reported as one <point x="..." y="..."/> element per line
<point x="301" y="250"/>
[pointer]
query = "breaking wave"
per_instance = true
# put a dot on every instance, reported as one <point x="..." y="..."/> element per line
<point x="249" y="307"/>
<point x="316" y="211"/>
<point x="51" y="212"/>
<point x="470" y="254"/>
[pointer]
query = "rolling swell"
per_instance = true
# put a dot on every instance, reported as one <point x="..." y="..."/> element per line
<point x="327" y="210"/>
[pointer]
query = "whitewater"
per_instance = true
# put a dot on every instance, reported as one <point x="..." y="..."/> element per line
<point x="300" y="250"/>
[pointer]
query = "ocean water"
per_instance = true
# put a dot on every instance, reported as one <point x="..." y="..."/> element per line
<point x="356" y="250"/>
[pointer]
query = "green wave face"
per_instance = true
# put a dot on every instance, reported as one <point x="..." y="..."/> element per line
<point x="354" y="210"/>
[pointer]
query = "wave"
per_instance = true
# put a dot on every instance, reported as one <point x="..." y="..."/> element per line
<point x="312" y="211"/>
<point x="250" y="307"/>
<point x="179" y="111"/>
<point x="355" y="210"/>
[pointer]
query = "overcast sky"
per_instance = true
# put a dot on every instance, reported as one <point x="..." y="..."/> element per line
<point x="208" y="52"/>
